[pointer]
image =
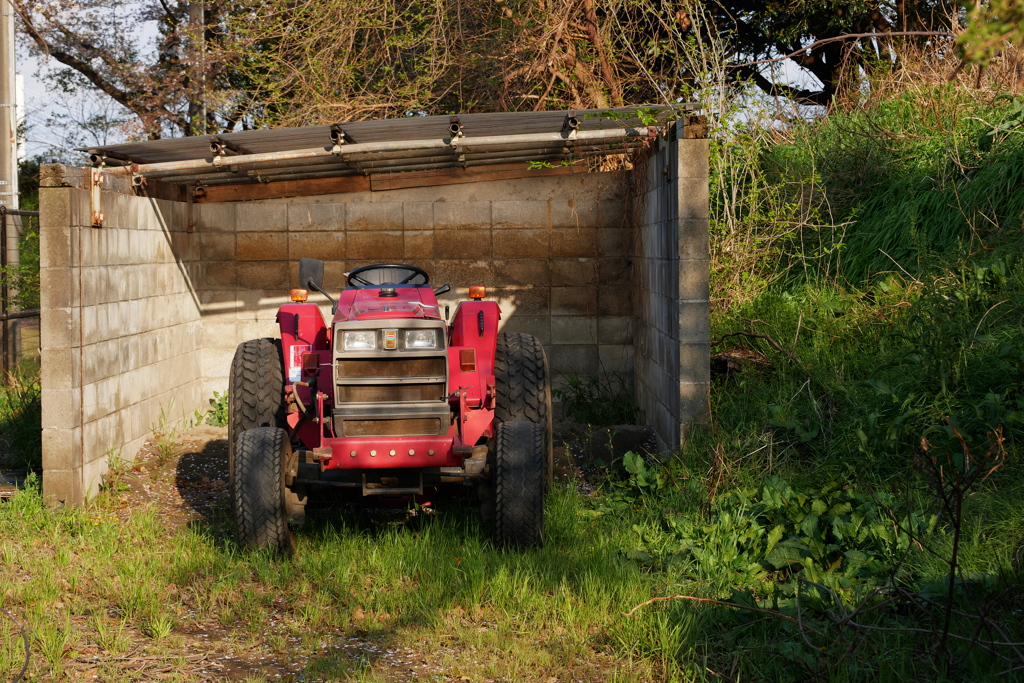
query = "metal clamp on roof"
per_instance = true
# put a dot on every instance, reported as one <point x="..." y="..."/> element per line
<point x="337" y="138"/>
<point x="571" y="124"/>
<point x="455" y="128"/>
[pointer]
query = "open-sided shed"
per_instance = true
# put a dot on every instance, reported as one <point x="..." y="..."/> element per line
<point x="161" y="259"/>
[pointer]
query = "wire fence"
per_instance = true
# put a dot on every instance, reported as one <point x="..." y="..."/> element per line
<point x="19" y="308"/>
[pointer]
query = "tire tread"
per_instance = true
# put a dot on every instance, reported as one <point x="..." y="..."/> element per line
<point x="519" y="484"/>
<point x="256" y="491"/>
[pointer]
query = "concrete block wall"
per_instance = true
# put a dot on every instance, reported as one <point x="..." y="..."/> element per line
<point x="553" y="251"/>
<point x="120" y="329"/>
<point x="140" y="318"/>
<point x="672" y="377"/>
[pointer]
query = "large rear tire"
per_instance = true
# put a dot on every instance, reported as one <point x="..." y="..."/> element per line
<point x="519" y="476"/>
<point x="524" y="388"/>
<point x="258" y="492"/>
<point x="255" y="391"/>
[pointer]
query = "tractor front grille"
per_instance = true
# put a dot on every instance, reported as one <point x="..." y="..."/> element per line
<point x="390" y="368"/>
<point x="389" y="393"/>
<point x="423" y="426"/>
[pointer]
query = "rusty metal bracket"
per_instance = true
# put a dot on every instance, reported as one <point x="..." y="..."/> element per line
<point x="95" y="197"/>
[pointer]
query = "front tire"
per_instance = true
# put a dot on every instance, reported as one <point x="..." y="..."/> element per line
<point x="519" y="479"/>
<point x="255" y="391"/>
<point x="258" y="491"/>
<point x="524" y="388"/>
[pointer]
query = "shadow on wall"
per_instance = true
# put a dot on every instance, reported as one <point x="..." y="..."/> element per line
<point x="554" y="252"/>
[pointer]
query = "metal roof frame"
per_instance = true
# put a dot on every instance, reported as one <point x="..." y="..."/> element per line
<point x="418" y="143"/>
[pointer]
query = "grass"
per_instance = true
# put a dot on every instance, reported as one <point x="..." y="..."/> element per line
<point x="103" y="589"/>
<point x="86" y="581"/>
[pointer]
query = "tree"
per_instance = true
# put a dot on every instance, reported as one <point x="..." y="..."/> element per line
<point x="242" y="63"/>
<point x="182" y="89"/>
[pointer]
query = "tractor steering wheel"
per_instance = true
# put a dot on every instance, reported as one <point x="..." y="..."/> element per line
<point x="355" y="280"/>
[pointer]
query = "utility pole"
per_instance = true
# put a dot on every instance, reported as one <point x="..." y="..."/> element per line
<point x="197" y="25"/>
<point x="8" y="110"/>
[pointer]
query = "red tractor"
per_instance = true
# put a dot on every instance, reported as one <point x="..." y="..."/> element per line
<point x="387" y="401"/>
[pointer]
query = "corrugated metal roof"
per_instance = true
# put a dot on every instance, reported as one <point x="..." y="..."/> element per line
<point x="431" y="145"/>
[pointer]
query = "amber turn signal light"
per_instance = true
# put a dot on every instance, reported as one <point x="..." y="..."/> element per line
<point x="477" y="292"/>
<point x="300" y="294"/>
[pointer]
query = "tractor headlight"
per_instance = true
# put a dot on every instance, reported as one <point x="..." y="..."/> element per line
<point x="360" y="340"/>
<point x="420" y="340"/>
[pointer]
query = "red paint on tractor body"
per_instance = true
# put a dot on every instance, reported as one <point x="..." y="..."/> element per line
<point x="310" y="387"/>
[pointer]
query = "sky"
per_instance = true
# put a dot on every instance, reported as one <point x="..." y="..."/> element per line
<point x="42" y="104"/>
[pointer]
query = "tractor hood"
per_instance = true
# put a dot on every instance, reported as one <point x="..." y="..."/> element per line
<point x="378" y="303"/>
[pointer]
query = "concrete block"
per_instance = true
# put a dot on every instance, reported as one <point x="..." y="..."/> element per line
<point x="254" y="329"/>
<point x="374" y="216"/>
<point x="614" y="242"/>
<point x="574" y="301"/>
<point x="693" y="158"/>
<point x="612" y="270"/>
<point x="617" y="358"/>
<point x="62" y="487"/>
<point x="218" y="275"/>
<point x="418" y="215"/>
<point x="219" y="333"/>
<point x="614" y="300"/>
<point x="261" y="217"/>
<point x="573" y="242"/>
<point x="537" y="325"/>
<point x="323" y="217"/>
<point x="568" y="213"/>
<point x="461" y="273"/>
<point x="59" y="369"/>
<point x="419" y="245"/>
<point x="693" y="403"/>
<point x="521" y="213"/>
<point x="573" y="360"/>
<point x="61" y="449"/>
<point x="61" y="408"/>
<point x="58" y="328"/>
<point x="334" y="273"/>
<point x="55" y="250"/>
<point x="264" y="275"/>
<point x="693" y="198"/>
<point x="693" y="238"/>
<point x="615" y="330"/>
<point x="462" y="243"/>
<point x="578" y="272"/>
<point x="695" y="363"/>
<point x="98" y="439"/>
<point x="326" y="246"/>
<point x="216" y="362"/>
<point x="101" y="360"/>
<point x="217" y="247"/>
<point x="58" y="287"/>
<point x="520" y="272"/>
<point x="375" y="245"/>
<point x="462" y="215"/>
<point x="527" y="243"/>
<point x="218" y="217"/>
<point x="54" y="210"/>
<point x="534" y="301"/>
<point x="573" y="330"/>
<point x="693" y="280"/>
<point x="694" y="325"/>
<point x="261" y="246"/>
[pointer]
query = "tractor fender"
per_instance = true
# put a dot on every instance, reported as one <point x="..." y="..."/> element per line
<point x="474" y="340"/>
